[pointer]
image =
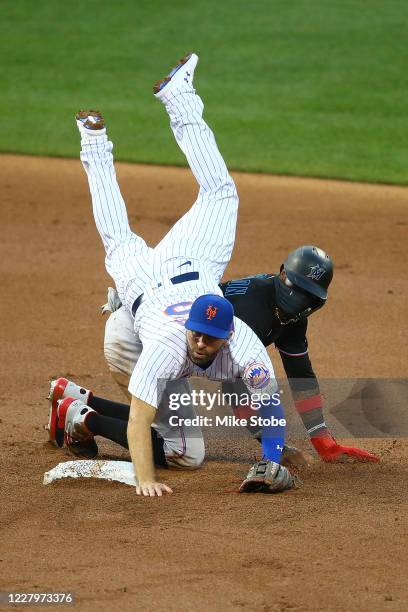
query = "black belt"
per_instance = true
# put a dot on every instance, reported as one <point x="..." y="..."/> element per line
<point x="176" y="280"/>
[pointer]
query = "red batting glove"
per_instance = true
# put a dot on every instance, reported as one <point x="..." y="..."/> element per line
<point x="329" y="450"/>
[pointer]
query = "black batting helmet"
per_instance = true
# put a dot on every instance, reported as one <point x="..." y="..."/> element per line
<point x="311" y="269"/>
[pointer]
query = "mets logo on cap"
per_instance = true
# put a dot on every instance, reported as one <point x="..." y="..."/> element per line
<point x="211" y="312"/>
<point x="257" y="376"/>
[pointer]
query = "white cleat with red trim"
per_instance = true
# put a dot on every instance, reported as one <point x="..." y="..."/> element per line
<point x="61" y="388"/>
<point x="71" y="417"/>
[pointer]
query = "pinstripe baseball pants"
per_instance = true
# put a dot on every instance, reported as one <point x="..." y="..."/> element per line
<point x="205" y="234"/>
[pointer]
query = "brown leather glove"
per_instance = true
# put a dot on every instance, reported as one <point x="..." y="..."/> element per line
<point x="267" y="477"/>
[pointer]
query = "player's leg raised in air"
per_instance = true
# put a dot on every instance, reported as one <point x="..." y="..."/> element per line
<point x="206" y="233"/>
<point x="127" y="255"/>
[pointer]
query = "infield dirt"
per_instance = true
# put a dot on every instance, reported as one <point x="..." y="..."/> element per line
<point x="338" y="543"/>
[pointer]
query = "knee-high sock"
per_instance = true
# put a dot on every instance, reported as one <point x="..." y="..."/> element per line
<point x="116" y="430"/>
<point x="108" y="408"/>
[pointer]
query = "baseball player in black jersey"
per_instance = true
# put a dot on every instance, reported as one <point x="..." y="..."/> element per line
<point x="276" y="308"/>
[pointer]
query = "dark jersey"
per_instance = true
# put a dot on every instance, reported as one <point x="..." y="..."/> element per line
<point x="254" y="303"/>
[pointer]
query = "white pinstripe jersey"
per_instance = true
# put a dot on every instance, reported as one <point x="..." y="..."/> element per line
<point x="164" y="357"/>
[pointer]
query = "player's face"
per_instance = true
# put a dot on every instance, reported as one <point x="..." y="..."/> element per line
<point x="296" y="300"/>
<point x="202" y="349"/>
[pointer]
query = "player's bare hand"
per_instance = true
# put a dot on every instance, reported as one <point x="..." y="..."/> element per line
<point x="292" y="457"/>
<point x="152" y="489"/>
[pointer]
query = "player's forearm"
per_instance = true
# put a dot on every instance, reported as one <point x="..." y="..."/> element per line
<point x="139" y="439"/>
<point x="306" y="393"/>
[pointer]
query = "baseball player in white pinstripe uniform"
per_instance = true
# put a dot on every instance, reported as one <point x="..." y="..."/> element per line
<point x="185" y="324"/>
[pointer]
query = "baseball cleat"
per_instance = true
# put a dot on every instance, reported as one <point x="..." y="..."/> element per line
<point x="183" y="72"/>
<point x="72" y="415"/>
<point x="55" y="428"/>
<point x="90" y="120"/>
<point x="60" y="388"/>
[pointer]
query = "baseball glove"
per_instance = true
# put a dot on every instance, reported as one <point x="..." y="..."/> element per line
<point x="267" y="477"/>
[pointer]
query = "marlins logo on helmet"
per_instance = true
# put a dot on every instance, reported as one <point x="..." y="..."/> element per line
<point x="316" y="272"/>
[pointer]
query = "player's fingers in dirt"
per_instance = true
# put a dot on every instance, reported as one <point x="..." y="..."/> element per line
<point x="154" y="489"/>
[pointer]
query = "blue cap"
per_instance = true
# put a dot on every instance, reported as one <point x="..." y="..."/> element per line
<point x="212" y="315"/>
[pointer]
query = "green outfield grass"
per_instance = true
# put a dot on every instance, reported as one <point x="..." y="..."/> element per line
<point x="303" y="87"/>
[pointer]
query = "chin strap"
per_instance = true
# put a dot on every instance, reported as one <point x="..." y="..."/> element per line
<point x="302" y="315"/>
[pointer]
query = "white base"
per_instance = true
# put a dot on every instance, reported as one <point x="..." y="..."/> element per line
<point x="121" y="471"/>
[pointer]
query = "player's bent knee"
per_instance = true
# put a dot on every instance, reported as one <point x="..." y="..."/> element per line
<point x="192" y="459"/>
<point x="184" y="463"/>
<point x="196" y="461"/>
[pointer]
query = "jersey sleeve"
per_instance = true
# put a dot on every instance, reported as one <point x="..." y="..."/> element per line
<point x="258" y="374"/>
<point x="293" y="348"/>
<point x="301" y="376"/>
<point x="292" y="341"/>
<point x="159" y="362"/>
<point x="254" y="364"/>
